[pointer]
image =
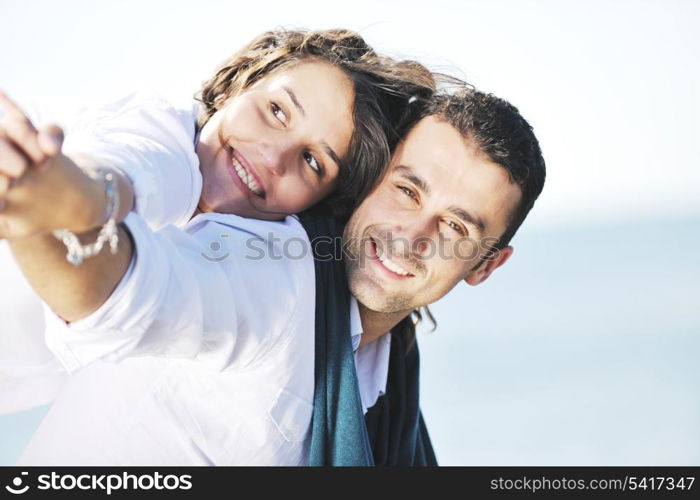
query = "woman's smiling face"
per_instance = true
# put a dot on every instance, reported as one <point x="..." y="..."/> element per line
<point x="275" y="148"/>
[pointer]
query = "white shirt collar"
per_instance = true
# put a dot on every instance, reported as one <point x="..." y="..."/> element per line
<point x="355" y="324"/>
<point x="371" y="360"/>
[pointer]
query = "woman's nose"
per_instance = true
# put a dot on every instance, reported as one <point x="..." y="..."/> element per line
<point x="275" y="156"/>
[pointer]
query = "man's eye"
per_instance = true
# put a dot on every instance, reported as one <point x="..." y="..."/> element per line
<point x="408" y="192"/>
<point x="313" y="163"/>
<point x="456" y="227"/>
<point x="279" y="114"/>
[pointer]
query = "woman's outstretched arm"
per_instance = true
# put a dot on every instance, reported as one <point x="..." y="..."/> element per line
<point x="50" y="191"/>
<point x="71" y="292"/>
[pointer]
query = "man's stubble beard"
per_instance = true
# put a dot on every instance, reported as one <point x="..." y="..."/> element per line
<point x="370" y="294"/>
<point x="366" y="290"/>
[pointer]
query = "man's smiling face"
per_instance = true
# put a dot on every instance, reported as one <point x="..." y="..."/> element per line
<point x="426" y="225"/>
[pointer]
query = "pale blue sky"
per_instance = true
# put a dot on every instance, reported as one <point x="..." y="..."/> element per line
<point x="610" y="87"/>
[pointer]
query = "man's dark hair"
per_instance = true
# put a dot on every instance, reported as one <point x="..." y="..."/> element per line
<point x="500" y="133"/>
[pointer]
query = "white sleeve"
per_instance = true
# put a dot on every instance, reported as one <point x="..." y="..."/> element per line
<point x="157" y="308"/>
<point x="175" y="302"/>
<point x="146" y="137"/>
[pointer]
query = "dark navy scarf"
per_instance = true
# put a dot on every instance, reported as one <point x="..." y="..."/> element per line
<point x="393" y="432"/>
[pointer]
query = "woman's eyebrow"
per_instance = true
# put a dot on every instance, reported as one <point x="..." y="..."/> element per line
<point x="329" y="151"/>
<point x="326" y="147"/>
<point x="296" y="102"/>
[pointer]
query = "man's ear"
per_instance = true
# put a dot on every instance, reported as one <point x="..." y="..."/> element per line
<point x="485" y="269"/>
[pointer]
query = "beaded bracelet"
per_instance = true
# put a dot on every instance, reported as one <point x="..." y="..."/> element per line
<point x="108" y="233"/>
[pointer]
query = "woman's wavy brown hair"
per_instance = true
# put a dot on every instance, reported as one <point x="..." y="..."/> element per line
<point x="383" y="88"/>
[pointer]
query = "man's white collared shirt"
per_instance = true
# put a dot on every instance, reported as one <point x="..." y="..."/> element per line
<point x="371" y="360"/>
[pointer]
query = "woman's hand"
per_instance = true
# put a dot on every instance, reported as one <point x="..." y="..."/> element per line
<point x="41" y="189"/>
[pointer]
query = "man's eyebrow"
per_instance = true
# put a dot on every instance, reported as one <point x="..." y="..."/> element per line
<point x="294" y="99"/>
<point x="407" y="172"/>
<point x="468" y="218"/>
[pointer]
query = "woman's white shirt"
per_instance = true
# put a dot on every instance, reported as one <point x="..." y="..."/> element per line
<point x="151" y="141"/>
<point x="204" y="353"/>
<point x="200" y="356"/>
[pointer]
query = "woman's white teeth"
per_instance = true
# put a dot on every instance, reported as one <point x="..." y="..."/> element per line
<point x="245" y="176"/>
<point x="391" y="266"/>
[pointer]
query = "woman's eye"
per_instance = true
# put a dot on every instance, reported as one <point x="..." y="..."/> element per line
<point x="279" y="114"/>
<point x="408" y="192"/>
<point x="313" y="163"/>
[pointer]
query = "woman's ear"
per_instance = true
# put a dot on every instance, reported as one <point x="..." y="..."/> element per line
<point x="481" y="273"/>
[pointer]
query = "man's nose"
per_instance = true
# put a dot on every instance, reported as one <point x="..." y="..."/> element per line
<point x="414" y="236"/>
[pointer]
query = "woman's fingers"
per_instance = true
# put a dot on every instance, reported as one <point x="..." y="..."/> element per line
<point x="13" y="163"/>
<point x="51" y="139"/>
<point x="20" y="130"/>
<point x="5" y="183"/>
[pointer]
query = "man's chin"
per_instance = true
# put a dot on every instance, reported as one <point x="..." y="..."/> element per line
<point x="379" y="299"/>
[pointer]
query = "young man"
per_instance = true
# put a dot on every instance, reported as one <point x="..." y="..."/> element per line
<point x="466" y="175"/>
<point x="457" y="189"/>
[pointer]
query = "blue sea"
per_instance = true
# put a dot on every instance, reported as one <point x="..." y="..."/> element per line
<point x="583" y="349"/>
